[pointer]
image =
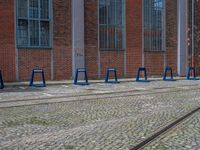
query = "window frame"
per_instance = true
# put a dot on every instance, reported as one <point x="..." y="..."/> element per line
<point x="40" y="20"/>
<point x="163" y="29"/>
<point x="108" y="25"/>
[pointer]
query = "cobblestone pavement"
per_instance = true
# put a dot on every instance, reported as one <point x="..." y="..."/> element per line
<point x="95" y="117"/>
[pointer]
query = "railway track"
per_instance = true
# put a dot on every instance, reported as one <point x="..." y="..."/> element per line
<point x="87" y="97"/>
<point x="165" y="130"/>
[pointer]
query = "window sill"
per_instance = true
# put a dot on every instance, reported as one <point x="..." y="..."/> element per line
<point x="112" y="49"/>
<point x="155" y="51"/>
<point x="34" y="47"/>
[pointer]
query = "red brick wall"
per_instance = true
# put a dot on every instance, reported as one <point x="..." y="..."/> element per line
<point x="7" y="40"/>
<point x="32" y="58"/>
<point x="112" y="59"/>
<point x="197" y="12"/>
<point x="197" y="37"/>
<point x="62" y="45"/>
<point x="133" y="36"/>
<point x="106" y="58"/>
<point x="154" y="63"/>
<point x="91" y="38"/>
<point x="171" y="34"/>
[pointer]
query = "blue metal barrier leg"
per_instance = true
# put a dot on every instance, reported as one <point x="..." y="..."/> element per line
<point x="115" y="72"/>
<point x="1" y="81"/>
<point x="43" y="78"/>
<point x="145" y="74"/>
<point x="86" y="78"/>
<point x="76" y="77"/>
<point x="31" y="80"/>
<point x="107" y="76"/>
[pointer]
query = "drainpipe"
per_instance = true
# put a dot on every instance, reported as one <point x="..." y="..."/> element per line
<point x="182" y="37"/>
<point x="78" y="54"/>
<point x="193" y="38"/>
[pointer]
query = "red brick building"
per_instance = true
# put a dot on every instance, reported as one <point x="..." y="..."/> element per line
<point x="62" y="35"/>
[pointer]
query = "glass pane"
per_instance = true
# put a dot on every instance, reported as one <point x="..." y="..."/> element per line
<point x="111" y="12"/>
<point x="119" y="38"/>
<point x="103" y="36"/>
<point x="22" y="8"/>
<point x="119" y="12"/>
<point x="22" y="33"/>
<point x="44" y="33"/>
<point x="44" y="9"/>
<point x="33" y="9"/>
<point x="102" y="12"/>
<point x="34" y="33"/>
<point x="111" y="38"/>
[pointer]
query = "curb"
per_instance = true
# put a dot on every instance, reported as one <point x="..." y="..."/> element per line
<point x="70" y="82"/>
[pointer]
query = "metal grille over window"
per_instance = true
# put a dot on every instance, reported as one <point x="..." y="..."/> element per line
<point x="111" y="24"/>
<point x="192" y="28"/>
<point x="154" y="25"/>
<point x="33" y="23"/>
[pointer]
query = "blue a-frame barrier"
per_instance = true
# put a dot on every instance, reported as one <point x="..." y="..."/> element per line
<point x="108" y="71"/>
<point x="170" y="78"/>
<point x="192" y="70"/>
<point x="141" y="69"/>
<point x="84" y="71"/>
<point x="37" y="71"/>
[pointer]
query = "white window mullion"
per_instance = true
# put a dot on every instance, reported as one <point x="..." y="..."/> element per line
<point x="17" y="22"/>
<point x="116" y="25"/>
<point x="164" y="26"/>
<point x="28" y="22"/>
<point x="39" y="22"/>
<point x="107" y="28"/>
<point x="49" y="19"/>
